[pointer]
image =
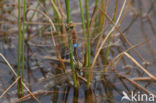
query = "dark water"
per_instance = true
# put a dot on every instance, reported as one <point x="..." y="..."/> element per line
<point x="43" y="75"/>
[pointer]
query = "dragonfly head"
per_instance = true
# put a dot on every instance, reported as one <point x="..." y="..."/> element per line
<point x="70" y="26"/>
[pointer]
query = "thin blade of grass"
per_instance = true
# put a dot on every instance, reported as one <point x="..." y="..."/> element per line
<point x="67" y="3"/>
<point x="19" y="48"/>
<point x="88" y="34"/>
<point x="23" y="39"/>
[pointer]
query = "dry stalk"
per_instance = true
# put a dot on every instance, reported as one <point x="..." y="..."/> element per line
<point x="135" y="84"/>
<point x="37" y="93"/>
<point x="52" y="24"/>
<point x="141" y="67"/>
<point x="17" y="78"/>
<point x="105" y="39"/>
<point x="142" y="79"/>
<point x="9" y="87"/>
<point x="122" y="35"/>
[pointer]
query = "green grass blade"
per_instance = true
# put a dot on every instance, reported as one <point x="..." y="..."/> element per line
<point x="19" y="47"/>
<point x="82" y="19"/>
<point x="67" y="2"/>
<point x="88" y="32"/>
<point x="23" y="61"/>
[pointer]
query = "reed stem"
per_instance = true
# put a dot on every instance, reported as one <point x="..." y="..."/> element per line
<point x="23" y="39"/>
<point x="109" y="38"/>
<point x="72" y="64"/>
<point x="88" y="39"/>
<point x="88" y="36"/>
<point x="82" y="19"/>
<point x="67" y="2"/>
<point x="19" y="48"/>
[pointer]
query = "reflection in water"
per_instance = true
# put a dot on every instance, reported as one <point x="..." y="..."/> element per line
<point x="90" y="96"/>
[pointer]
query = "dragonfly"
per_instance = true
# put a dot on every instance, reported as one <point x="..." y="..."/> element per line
<point x="71" y="35"/>
<point x="71" y="32"/>
<point x="70" y="28"/>
<point x="78" y="43"/>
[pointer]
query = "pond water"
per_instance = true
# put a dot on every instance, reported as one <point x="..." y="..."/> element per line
<point x="43" y="74"/>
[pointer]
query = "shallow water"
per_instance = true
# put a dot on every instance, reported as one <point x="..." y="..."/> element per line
<point x="44" y="75"/>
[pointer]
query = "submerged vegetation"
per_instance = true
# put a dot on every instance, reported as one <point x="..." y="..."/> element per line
<point x="75" y="49"/>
